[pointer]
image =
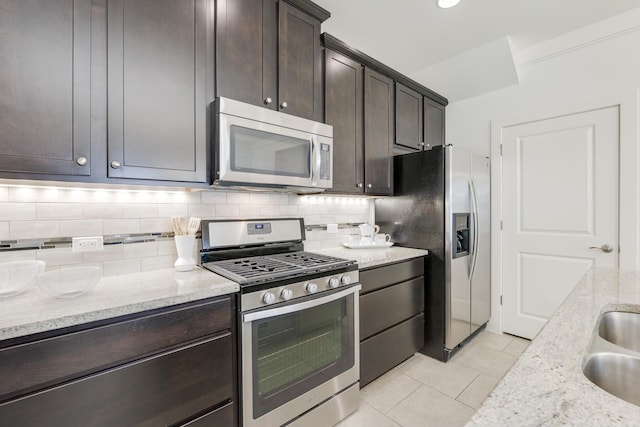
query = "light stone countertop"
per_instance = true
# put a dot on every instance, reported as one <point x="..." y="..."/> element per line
<point x="368" y="258"/>
<point x="546" y="385"/>
<point x="34" y="311"/>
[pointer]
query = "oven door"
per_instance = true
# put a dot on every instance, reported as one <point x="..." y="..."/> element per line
<point x="251" y="152"/>
<point x="296" y="356"/>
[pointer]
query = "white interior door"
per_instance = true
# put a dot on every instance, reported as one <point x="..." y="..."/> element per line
<point x="560" y="198"/>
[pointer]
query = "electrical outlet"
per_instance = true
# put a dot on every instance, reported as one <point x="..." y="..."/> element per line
<point x="86" y="244"/>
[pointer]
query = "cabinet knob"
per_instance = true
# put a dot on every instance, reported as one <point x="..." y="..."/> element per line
<point x="369" y="185"/>
<point x="359" y="185"/>
<point x="115" y="164"/>
<point x="284" y="104"/>
<point x="268" y="100"/>
<point x="422" y="144"/>
<point x="81" y="161"/>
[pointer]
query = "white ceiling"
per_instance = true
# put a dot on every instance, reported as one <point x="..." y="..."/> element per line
<point x="413" y="35"/>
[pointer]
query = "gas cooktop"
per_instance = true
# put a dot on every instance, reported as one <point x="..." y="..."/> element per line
<point x="257" y="269"/>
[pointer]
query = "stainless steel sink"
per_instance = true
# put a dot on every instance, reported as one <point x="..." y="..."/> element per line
<point x="621" y="328"/>
<point x="612" y="361"/>
<point x="616" y="373"/>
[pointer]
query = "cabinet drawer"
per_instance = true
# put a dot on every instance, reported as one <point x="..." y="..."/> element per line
<point x="223" y="416"/>
<point x="382" y="352"/>
<point x="159" y="390"/>
<point x="379" y="277"/>
<point x="391" y="305"/>
<point x="34" y="365"/>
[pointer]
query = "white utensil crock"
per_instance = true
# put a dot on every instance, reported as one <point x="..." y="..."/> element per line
<point x="184" y="246"/>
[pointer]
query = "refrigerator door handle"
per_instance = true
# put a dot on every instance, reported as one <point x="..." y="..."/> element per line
<point x="474" y="214"/>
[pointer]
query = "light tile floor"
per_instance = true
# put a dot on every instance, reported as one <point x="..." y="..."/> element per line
<point x="425" y="392"/>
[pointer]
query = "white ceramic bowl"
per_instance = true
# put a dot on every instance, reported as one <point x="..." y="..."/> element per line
<point x="70" y="282"/>
<point x="17" y="276"/>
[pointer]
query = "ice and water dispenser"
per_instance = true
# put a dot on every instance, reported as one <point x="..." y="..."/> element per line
<point x="461" y="235"/>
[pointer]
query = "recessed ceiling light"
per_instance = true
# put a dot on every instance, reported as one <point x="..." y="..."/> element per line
<point x="445" y="4"/>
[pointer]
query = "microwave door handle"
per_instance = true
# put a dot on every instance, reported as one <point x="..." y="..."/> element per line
<point x="316" y="160"/>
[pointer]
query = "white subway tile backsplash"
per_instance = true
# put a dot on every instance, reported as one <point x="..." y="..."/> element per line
<point x="239" y="198"/>
<point x="41" y="213"/>
<point x="53" y="211"/>
<point x="33" y="194"/>
<point x="213" y="197"/>
<point x="121" y="226"/>
<point x="227" y="211"/>
<point x="4" y="230"/>
<point x="123" y="266"/>
<point x="8" y="256"/>
<point x="56" y="257"/>
<point x="156" y="225"/>
<point x="157" y="262"/>
<point x="88" y="227"/>
<point x="18" y="211"/>
<point x="173" y="209"/>
<point x="33" y="229"/>
<point x="140" y="210"/>
<point x="102" y="210"/>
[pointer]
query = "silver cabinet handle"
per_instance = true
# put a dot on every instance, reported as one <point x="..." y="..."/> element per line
<point x="81" y="161"/>
<point x="115" y="164"/>
<point x="606" y="248"/>
<point x="359" y="185"/>
<point x="369" y="185"/>
<point x="268" y="100"/>
<point x="284" y="104"/>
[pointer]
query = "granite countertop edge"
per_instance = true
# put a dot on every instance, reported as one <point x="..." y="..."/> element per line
<point x="546" y="385"/>
<point x="33" y="312"/>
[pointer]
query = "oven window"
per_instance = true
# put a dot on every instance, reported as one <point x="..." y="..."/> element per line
<point x="294" y="353"/>
<point x="267" y="153"/>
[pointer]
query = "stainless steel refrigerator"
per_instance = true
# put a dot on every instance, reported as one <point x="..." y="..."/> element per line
<point x="442" y="203"/>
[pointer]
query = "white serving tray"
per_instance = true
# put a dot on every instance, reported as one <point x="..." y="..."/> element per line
<point x="371" y="246"/>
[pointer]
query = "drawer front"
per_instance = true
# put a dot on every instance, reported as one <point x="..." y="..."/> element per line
<point x="386" y="307"/>
<point x="380" y="277"/>
<point x="157" y="391"/>
<point x="220" y="417"/>
<point x="382" y="352"/>
<point x="32" y="366"/>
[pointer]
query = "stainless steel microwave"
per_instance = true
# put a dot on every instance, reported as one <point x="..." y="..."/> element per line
<point x="260" y="148"/>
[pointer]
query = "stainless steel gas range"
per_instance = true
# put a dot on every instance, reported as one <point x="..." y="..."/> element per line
<point x="298" y="321"/>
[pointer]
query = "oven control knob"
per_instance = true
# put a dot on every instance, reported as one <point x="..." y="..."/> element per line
<point x="286" y="294"/>
<point x="334" y="282"/>
<point x="345" y="280"/>
<point x="268" y="298"/>
<point x="311" y="288"/>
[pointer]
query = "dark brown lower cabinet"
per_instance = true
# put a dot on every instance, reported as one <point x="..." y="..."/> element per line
<point x="168" y="382"/>
<point x="391" y="316"/>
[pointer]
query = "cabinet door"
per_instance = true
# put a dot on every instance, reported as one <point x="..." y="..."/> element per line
<point x="157" y="89"/>
<point x="433" y="123"/>
<point x="247" y="51"/>
<point x="44" y="86"/>
<point x="300" y="64"/>
<point x="343" y="110"/>
<point x="408" y="118"/>
<point x="378" y="133"/>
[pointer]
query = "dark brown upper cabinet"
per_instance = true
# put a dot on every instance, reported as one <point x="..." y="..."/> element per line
<point x="159" y="58"/>
<point x="344" y="111"/>
<point x="378" y="133"/>
<point x="268" y="53"/>
<point x="409" y="116"/>
<point x="434" y="123"/>
<point x="45" y="77"/>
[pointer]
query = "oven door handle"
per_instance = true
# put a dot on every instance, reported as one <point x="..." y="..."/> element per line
<point x="292" y="308"/>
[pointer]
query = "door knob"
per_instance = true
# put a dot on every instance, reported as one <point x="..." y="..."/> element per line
<point x="604" y="248"/>
<point x="369" y="185"/>
<point x="284" y="105"/>
<point x="268" y="100"/>
<point x="82" y="161"/>
<point x="115" y="164"/>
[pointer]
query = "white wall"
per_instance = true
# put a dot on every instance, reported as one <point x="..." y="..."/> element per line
<point x="590" y="68"/>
